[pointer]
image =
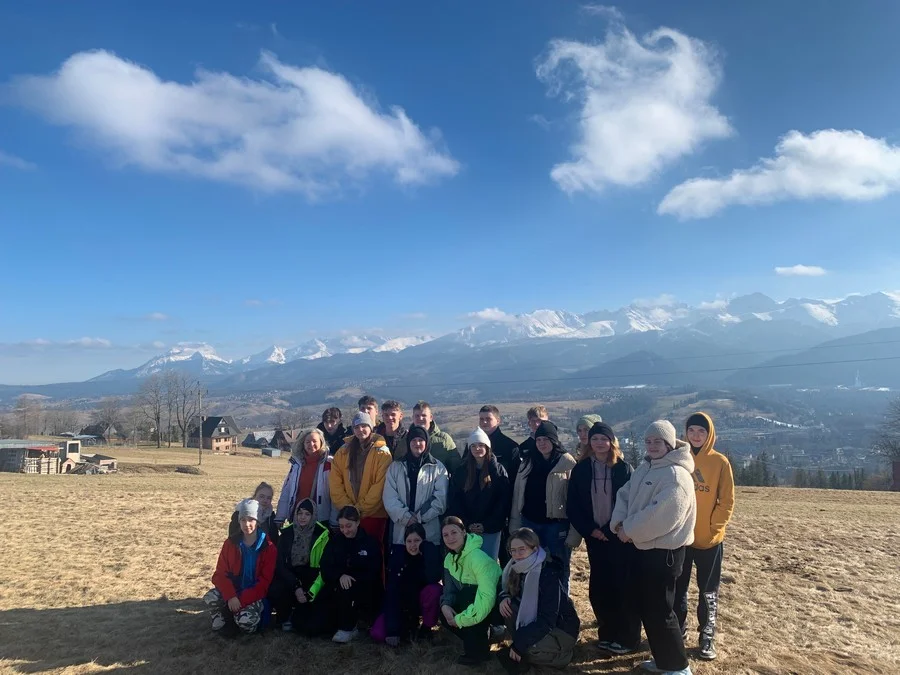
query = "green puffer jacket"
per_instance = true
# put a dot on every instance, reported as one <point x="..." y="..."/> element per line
<point x="472" y="567"/>
<point x="443" y="448"/>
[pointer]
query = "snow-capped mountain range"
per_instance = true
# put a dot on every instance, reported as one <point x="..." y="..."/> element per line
<point x="746" y="317"/>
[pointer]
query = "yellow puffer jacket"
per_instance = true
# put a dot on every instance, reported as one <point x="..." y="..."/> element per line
<point x="369" y="501"/>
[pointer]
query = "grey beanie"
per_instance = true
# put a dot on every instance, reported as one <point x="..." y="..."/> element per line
<point x="362" y="418"/>
<point x="588" y="421"/>
<point x="478" y="436"/>
<point x="664" y="430"/>
<point x="248" y="508"/>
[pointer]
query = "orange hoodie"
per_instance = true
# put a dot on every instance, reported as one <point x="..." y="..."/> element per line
<point x="714" y="487"/>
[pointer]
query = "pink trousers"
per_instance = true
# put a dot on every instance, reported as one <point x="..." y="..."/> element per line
<point x="429" y="606"/>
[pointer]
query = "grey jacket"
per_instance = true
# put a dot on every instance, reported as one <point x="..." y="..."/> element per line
<point x="431" y="498"/>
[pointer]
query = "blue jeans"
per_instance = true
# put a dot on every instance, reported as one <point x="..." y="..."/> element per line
<point x="553" y="540"/>
<point x="490" y="544"/>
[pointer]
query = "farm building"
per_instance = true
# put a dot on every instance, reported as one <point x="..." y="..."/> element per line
<point x="220" y="434"/>
<point x="284" y="439"/>
<point x="72" y="460"/>
<point x="103" y="434"/>
<point x="271" y="452"/>
<point x="20" y="456"/>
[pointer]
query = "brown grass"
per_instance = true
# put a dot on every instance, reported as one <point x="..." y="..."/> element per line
<point x="103" y="574"/>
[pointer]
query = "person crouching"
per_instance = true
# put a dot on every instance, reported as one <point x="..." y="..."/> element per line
<point x="243" y="574"/>
<point x="655" y="510"/>
<point x="539" y="616"/>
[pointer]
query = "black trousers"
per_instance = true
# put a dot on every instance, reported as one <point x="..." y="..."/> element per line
<point x="337" y="609"/>
<point x="709" y="575"/>
<point x="612" y="564"/>
<point x="282" y="597"/>
<point x="475" y="639"/>
<point x="654" y="585"/>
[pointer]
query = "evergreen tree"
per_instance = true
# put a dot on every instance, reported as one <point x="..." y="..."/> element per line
<point x="800" y="479"/>
<point x="765" y="478"/>
<point x="833" y="481"/>
<point x="821" y="481"/>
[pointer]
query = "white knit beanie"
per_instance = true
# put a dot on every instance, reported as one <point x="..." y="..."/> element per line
<point x="478" y="436"/>
<point x="662" y="429"/>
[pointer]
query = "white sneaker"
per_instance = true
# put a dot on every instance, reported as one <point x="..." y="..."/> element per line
<point x="650" y="667"/>
<point x="287" y="626"/>
<point x="686" y="671"/>
<point x="345" y="636"/>
<point x="218" y="622"/>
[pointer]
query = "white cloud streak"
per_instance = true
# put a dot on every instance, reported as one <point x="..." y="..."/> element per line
<point x="491" y="314"/>
<point x="801" y="271"/>
<point x="7" y="159"/>
<point x="306" y="130"/>
<point x="663" y="300"/>
<point x="644" y="103"/>
<point x="826" y="164"/>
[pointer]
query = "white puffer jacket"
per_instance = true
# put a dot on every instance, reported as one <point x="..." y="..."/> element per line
<point x="657" y="506"/>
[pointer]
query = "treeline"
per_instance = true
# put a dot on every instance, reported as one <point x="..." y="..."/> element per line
<point x="832" y="480"/>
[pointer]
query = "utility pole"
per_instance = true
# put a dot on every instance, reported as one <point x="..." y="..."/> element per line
<point x="199" y="425"/>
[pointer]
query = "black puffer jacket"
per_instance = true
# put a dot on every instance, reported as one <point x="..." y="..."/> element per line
<point x="335" y="440"/>
<point x="579" y="506"/>
<point x="359" y="557"/>
<point x="506" y="450"/>
<point x="488" y="505"/>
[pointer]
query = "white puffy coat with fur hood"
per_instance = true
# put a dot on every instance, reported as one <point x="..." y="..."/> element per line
<point x="657" y="506"/>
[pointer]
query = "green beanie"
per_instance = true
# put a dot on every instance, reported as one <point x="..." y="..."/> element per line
<point x="588" y="421"/>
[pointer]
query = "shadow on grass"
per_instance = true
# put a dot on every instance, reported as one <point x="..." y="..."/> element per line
<point x="173" y="636"/>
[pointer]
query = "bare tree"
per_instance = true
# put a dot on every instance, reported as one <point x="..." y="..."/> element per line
<point x="108" y="412"/>
<point x="887" y="443"/>
<point x="151" y="401"/>
<point x="291" y="419"/>
<point x="185" y="401"/>
<point x="170" y="393"/>
<point x="63" y="419"/>
<point x="28" y="410"/>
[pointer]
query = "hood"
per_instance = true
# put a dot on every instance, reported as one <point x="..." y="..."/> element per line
<point x="711" y="440"/>
<point x="473" y="542"/>
<point x="315" y="510"/>
<point x="680" y="456"/>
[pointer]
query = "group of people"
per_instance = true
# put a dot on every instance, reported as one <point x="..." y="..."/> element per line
<point x="397" y="529"/>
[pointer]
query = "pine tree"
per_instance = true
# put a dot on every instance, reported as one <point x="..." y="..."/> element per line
<point x="821" y="481"/>
<point x="834" y="482"/>
<point x="800" y="479"/>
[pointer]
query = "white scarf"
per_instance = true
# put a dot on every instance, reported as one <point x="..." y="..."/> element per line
<point x="528" y="605"/>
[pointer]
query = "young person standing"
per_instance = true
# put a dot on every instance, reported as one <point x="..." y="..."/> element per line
<point x="714" y="488"/>
<point x="358" y="474"/>
<point x="655" y="510"/>
<point x="596" y="479"/>
<point x="391" y="428"/>
<point x="540" y="494"/>
<point x="441" y="445"/>
<point x="534" y="416"/>
<point x="480" y="494"/>
<point x="333" y="429"/>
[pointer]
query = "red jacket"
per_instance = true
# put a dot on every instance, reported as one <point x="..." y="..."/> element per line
<point x="228" y="568"/>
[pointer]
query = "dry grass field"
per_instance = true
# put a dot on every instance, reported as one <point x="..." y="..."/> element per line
<point x="104" y="574"/>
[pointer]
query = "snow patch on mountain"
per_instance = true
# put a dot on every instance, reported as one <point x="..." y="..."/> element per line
<point x="821" y="313"/>
<point x="399" y="344"/>
<point x="202" y="356"/>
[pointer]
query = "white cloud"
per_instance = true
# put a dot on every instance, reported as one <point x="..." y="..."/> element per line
<point x="157" y="316"/>
<point x="7" y="159"/>
<point x="415" y="316"/>
<point x="156" y="344"/>
<point x="607" y="12"/>
<point x="826" y="164"/>
<point x="293" y="129"/>
<point x="644" y="103"/>
<point x="41" y="345"/>
<point x="664" y="300"/>
<point x="713" y="305"/>
<point x="801" y="271"/>
<point x="491" y="314"/>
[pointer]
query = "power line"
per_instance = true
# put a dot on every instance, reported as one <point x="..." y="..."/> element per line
<point x="657" y="374"/>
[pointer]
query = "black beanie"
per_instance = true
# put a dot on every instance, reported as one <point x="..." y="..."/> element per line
<point x="698" y="420"/>
<point x="602" y="428"/>
<point x="548" y="430"/>
<point x="416" y="431"/>
<point x="307" y="505"/>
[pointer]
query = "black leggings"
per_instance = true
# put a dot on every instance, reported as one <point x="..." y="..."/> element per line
<point x="655" y="586"/>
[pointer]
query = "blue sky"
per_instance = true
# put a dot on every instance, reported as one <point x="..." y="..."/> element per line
<point x="255" y="173"/>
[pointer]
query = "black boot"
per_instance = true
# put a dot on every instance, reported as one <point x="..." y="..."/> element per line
<point x="510" y="666"/>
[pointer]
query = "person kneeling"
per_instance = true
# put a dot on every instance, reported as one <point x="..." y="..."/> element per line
<point x="351" y="580"/>
<point x="297" y="579"/>
<point x="243" y="574"/>
<point x="413" y="590"/>
<point x="539" y="615"/>
<point x="470" y="591"/>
